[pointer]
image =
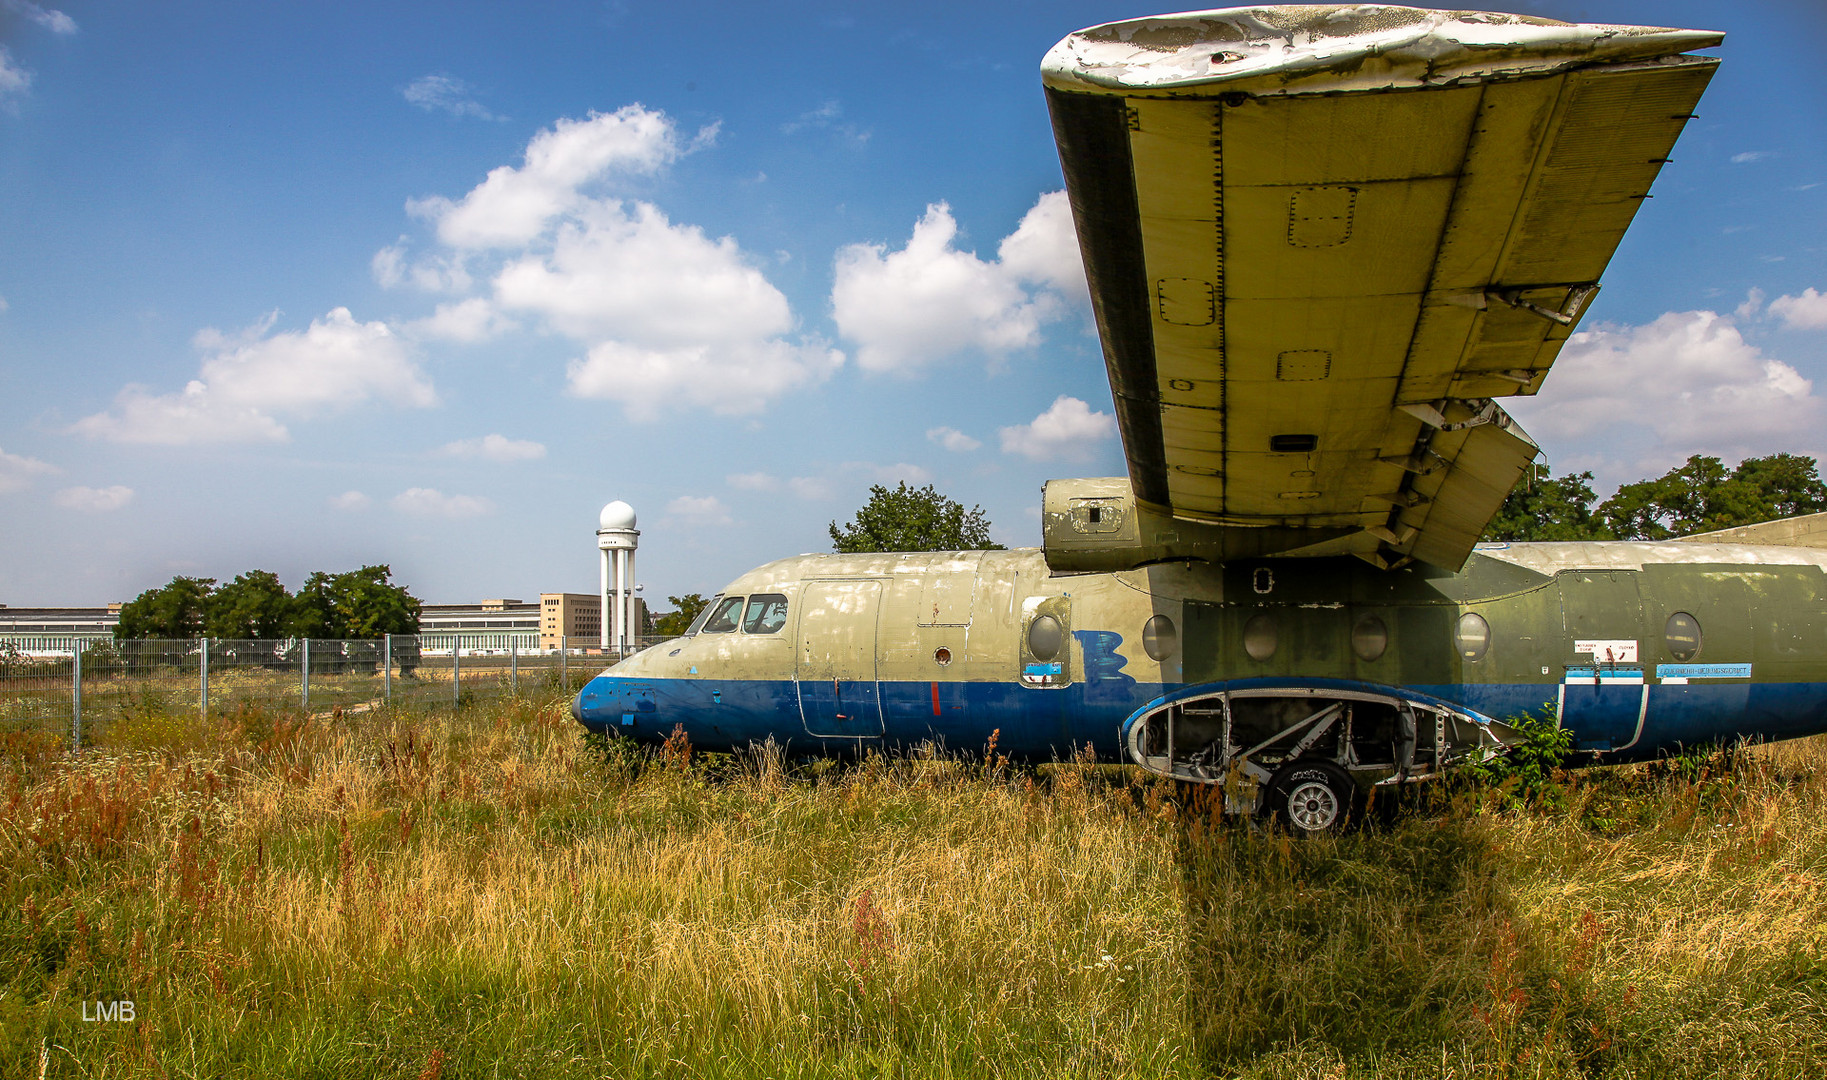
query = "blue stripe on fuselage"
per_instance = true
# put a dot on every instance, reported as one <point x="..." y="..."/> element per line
<point x="1043" y="723"/>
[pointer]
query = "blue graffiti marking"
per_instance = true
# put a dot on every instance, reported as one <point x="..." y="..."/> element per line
<point x="1102" y="664"/>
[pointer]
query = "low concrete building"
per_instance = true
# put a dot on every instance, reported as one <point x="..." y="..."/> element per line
<point x="46" y="631"/>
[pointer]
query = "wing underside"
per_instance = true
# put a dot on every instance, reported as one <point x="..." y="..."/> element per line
<point x="1311" y="285"/>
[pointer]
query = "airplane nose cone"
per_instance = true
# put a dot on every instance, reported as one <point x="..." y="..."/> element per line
<point x="577" y="707"/>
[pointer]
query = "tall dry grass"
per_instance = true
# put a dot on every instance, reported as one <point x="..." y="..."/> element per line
<point x="487" y="893"/>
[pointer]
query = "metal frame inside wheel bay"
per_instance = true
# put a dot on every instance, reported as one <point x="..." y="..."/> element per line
<point x="1191" y="736"/>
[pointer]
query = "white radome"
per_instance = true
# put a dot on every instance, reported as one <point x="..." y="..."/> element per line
<point x="617" y="515"/>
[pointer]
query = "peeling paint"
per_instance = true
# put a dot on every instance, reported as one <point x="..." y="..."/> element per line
<point x="1314" y="49"/>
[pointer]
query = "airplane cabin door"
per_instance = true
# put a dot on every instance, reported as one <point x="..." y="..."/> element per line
<point x="835" y="668"/>
<point x="1604" y="696"/>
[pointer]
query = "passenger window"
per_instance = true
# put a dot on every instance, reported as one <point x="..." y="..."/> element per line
<point x="723" y="617"/>
<point x="704" y="613"/>
<point x="766" y="615"/>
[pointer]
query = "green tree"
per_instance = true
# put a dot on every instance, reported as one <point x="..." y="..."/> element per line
<point x="369" y="605"/>
<point x="176" y="610"/>
<point x="1542" y="507"/>
<point x="913" y="519"/>
<point x="685" y="609"/>
<point x="313" y="613"/>
<point x="355" y="604"/>
<point x="1701" y="496"/>
<point x="254" y="605"/>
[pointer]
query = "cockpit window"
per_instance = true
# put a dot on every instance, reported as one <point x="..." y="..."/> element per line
<point x="704" y="613"/>
<point x="766" y="615"/>
<point x="724" y="615"/>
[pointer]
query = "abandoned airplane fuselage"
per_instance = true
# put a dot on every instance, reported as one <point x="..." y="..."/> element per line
<point x="1639" y="648"/>
<point x="1321" y="240"/>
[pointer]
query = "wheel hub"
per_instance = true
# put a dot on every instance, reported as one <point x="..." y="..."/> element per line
<point x="1313" y="806"/>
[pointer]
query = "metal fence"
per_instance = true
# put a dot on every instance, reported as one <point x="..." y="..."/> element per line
<point x="100" y="682"/>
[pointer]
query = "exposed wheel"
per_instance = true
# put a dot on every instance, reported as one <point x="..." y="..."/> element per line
<point x="1312" y="797"/>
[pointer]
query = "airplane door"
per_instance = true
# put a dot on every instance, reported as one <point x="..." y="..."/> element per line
<point x="835" y="669"/>
<point x="1604" y="696"/>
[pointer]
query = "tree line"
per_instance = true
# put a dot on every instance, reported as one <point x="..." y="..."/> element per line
<point x="360" y="603"/>
<point x="1701" y="495"/>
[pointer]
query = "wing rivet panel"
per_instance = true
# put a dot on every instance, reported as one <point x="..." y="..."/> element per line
<point x="1321" y="216"/>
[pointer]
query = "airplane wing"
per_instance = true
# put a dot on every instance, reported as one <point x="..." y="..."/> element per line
<point x="1321" y="239"/>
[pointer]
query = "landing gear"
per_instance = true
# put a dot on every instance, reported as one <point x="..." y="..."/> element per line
<point x="1311" y="798"/>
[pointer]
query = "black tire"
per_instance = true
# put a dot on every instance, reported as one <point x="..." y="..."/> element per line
<point x="1312" y="798"/>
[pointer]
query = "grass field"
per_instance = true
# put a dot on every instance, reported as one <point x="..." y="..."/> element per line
<point x="485" y="893"/>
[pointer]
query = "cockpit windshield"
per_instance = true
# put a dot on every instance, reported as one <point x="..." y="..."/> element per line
<point x="724" y="615"/>
<point x="704" y="613"/>
<point x="766" y="615"/>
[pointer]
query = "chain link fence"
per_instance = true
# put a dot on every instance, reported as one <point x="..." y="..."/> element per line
<point x="99" y="682"/>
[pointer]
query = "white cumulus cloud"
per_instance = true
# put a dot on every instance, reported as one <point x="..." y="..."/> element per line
<point x="430" y="502"/>
<point x="513" y="206"/>
<point x="666" y="316"/>
<point x="699" y="510"/>
<point x="448" y="273"/>
<point x="1044" y="249"/>
<point x="732" y="379"/>
<point x="445" y="94"/>
<point x="350" y="501"/>
<point x="638" y="277"/>
<point x="15" y="81"/>
<point x="913" y="307"/>
<point x="952" y="439"/>
<point x="466" y="321"/>
<point x="251" y="379"/>
<point x="49" y="18"/>
<point x="90" y="500"/>
<point x="1807" y="311"/>
<point x="496" y="448"/>
<point x="17" y="471"/>
<point x="1630" y="399"/>
<point x="1067" y="431"/>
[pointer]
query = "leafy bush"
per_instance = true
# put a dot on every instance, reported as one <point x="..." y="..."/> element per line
<point x="1532" y="772"/>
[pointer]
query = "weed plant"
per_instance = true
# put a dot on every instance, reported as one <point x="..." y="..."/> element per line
<point x="486" y="891"/>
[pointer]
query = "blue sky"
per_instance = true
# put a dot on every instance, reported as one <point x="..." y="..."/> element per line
<point x="303" y="287"/>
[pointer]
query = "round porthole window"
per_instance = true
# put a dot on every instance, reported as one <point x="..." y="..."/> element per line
<point x="1259" y="636"/>
<point x="1369" y="638"/>
<point x="1045" y="636"/>
<point x="1472" y="636"/>
<point x="942" y="656"/>
<point x="1159" y="638"/>
<point x="1682" y="635"/>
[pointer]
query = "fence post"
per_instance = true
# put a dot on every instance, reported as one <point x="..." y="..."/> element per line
<point x="564" y="642"/>
<point x="76" y="698"/>
<point x="387" y="668"/>
<point x="456" y="671"/>
<point x="203" y="680"/>
<point x="304" y="684"/>
<point x="514" y="665"/>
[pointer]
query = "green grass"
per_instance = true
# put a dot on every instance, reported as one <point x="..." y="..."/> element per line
<point x="485" y="893"/>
